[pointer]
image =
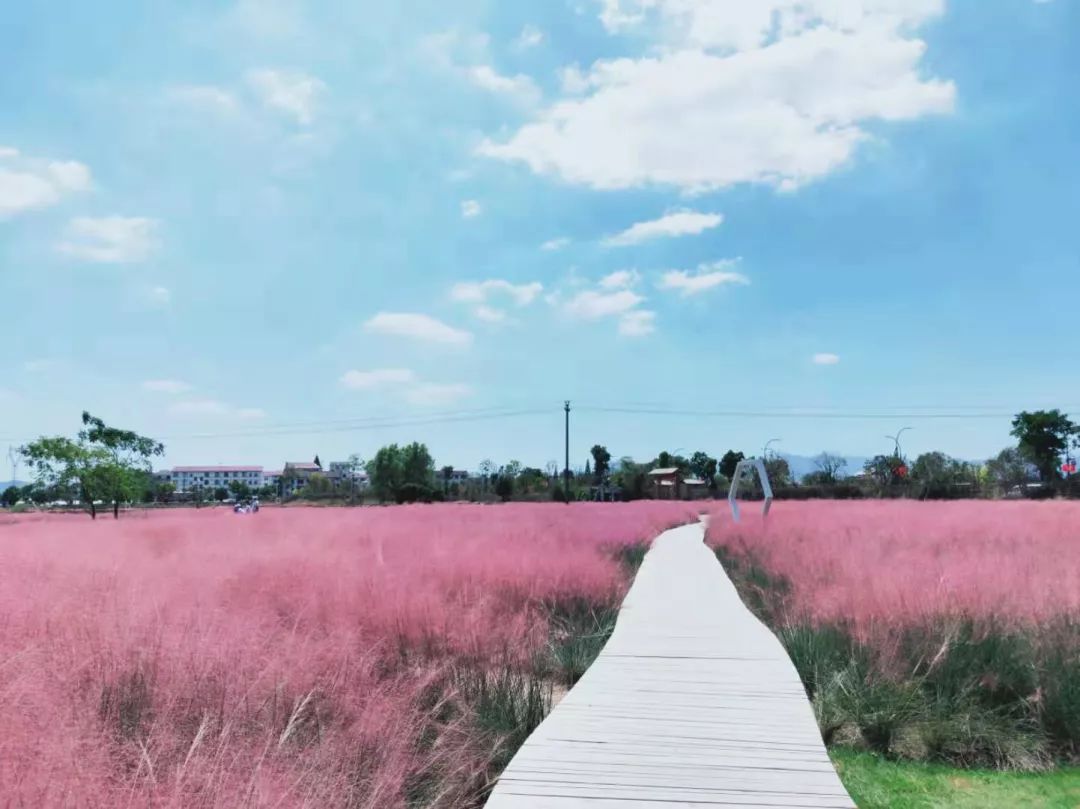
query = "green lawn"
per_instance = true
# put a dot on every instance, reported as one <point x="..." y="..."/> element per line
<point x="875" y="783"/>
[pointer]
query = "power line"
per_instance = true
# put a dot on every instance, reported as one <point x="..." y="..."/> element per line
<point x="787" y="414"/>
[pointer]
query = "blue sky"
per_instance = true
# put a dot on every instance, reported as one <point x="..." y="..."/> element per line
<point x="246" y="226"/>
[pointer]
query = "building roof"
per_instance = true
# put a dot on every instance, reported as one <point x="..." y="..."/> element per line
<point x="694" y="482"/>
<point x="277" y="472"/>
<point x="217" y="469"/>
<point x="304" y="467"/>
<point x="670" y="470"/>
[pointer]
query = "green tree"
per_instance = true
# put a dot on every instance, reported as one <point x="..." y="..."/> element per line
<point x="829" y="470"/>
<point x="165" y="491"/>
<point x="239" y="490"/>
<point x="447" y="474"/>
<point x="778" y="470"/>
<point x="1043" y="436"/>
<point x="1009" y="469"/>
<point x="704" y="466"/>
<point x="10" y="496"/>
<point x="103" y="463"/>
<point x="601" y="462"/>
<point x="886" y="470"/>
<point x="504" y="487"/>
<point x="632" y="479"/>
<point x="402" y="474"/>
<point x="316" y="487"/>
<point x="729" y="462"/>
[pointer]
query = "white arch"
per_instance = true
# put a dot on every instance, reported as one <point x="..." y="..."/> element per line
<point x="741" y="469"/>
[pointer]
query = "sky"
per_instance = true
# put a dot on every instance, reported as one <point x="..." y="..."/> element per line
<point x="268" y="229"/>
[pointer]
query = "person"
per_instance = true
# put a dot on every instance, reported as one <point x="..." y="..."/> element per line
<point x="255" y="504"/>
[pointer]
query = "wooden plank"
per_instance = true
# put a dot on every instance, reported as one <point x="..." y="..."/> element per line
<point x="692" y="703"/>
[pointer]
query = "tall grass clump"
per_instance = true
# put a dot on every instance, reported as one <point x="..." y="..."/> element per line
<point x="936" y="631"/>
<point x="376" y="658"/>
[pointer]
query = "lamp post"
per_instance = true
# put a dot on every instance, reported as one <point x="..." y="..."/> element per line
<point x="765" y="451"/>
<point x="896" y="440"/>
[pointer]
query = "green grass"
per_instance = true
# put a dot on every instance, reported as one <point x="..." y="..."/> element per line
<point x="877" y="783"/>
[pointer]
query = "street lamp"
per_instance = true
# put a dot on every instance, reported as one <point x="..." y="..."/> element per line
<point x="896" y="439"/>
<point x="765" y="451"/>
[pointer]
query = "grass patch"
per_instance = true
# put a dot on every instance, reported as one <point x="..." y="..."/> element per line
<point x="878" y="783"/>
<point x="954" y="691"/>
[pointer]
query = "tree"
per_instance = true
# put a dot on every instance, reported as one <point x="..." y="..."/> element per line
<point x="729" y="462"/>
<point x="512" y="469"/>
<point x="165" y="491"/>
<point x="631" y="478"/>
<point x="103" y="463"/>
<point x="1043" y="437"/>
<point x="885" y="470"/>
<point x="447" y="474"/>
<point x="10" y="496"/>
<point x="317" y="486"/>
<point x="704" y="466"/>
<point x="601" y="462"/>
<point x="504" y="487"/>
<point x="221" y="494"/>
<point x="239" y="490"/>
<point x="830" y="468"/>
<point x="1010" y="470"/>
<point x="402" y="474"/>
<point x="778" y="470"/>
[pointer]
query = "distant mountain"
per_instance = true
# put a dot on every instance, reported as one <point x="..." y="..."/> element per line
<point x="7" y="484"/>
<point x="802" y="465"/>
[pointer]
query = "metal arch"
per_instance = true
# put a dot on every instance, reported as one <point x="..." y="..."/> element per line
<point x="741" y="470"/>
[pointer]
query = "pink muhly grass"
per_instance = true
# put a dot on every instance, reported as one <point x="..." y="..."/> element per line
<point x="898" y="563"/>
<point x="298" y="657"/>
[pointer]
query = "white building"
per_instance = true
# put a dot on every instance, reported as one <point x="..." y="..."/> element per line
<point x="189" y="478"/>
<point x="341" y="471"/>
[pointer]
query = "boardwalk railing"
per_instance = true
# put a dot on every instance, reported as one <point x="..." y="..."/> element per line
<point x="692" y="703"/>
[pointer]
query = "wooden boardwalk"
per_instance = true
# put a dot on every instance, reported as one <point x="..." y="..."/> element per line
<point x="692" y="703"/>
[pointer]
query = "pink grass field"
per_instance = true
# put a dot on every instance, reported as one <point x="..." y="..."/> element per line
<point x="882" y="564"/>
<point x="205" y="659"/>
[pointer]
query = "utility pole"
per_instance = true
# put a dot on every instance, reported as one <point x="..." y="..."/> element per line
<point x="13" y="458"/>
<point x="566" y="470"/>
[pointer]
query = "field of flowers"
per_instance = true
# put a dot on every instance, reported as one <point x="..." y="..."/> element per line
<point x="945" y="631"/>
<point x="369" y="658"/>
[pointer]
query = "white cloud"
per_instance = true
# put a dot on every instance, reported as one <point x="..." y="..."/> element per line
<point x="777" y="92"/>
<point x="555" y="244"/>
<point x="470" y="209"/>
<point x="637" y="323"/>
<point x="215" y="408"/>
<point x="489" y="314"/>
<point x="590" y="304"/>
<point x="377" y="379"/>
<point x="292" y="92"/>
<point x="677" y="223"/>
<point x="530" y="37"/>
<point x="28" y="184"/>
<point x="705" y="278"/>
<point x="199" y="407"/>
<point x="110" y="239"/>
<point x="620" y="279"/>
<point x="482" y="291"/>
<point x="166" y="386"/>
<point x="825" y="359"/>
<point x="572" y="81"/>
<point x="519" y="87"/>
<point x="417" y="327"/>
<point x="204" y="96"/>
<point x="432" y="393"/>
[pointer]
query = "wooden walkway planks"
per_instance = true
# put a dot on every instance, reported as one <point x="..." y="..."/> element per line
<point x="692" y="703"/>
